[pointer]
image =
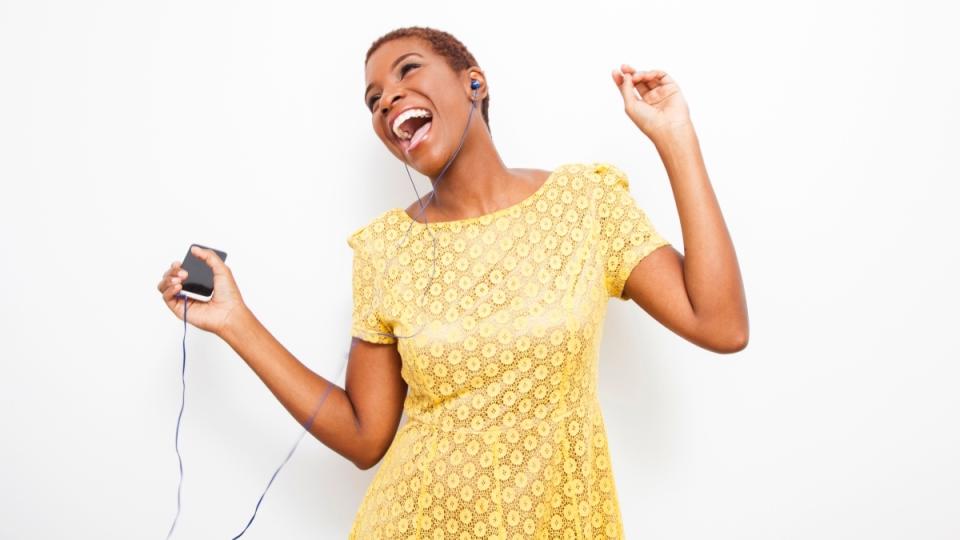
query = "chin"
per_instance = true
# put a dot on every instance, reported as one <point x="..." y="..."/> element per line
<point x="430" y="163"/>
<point x="429" y="158"/>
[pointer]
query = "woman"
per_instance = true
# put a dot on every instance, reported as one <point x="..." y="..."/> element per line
<point x="478" y="309"/>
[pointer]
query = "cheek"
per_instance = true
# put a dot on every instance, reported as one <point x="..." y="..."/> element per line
<point x="383" y="135"/>
<point x="378" y="129"/>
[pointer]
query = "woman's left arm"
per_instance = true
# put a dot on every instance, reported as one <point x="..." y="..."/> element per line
<point x="699" y="294"/>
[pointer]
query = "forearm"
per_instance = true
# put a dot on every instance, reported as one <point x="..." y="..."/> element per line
<point x="297" y="388"/>
<point x="711" y="271"/>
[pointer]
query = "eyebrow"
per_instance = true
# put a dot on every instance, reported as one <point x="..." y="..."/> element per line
<point x="393" y="65"/>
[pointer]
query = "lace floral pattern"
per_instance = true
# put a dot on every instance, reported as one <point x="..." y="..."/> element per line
<point x="500" y="318"/>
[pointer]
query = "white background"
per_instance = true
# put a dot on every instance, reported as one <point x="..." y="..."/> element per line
<point x="130" y="129"/>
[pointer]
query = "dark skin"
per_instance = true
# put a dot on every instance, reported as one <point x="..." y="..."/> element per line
<point x="424" y="79"/>
<point x="699" y="296"/>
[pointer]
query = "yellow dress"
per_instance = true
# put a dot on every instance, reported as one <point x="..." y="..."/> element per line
<point x="504" y="435"/>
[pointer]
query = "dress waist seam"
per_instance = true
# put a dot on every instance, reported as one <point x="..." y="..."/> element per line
<point x="437" y="426"/>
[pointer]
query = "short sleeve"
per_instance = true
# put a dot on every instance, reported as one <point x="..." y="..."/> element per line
<point x="366" y="322"/>
<point x="626" y="233"/>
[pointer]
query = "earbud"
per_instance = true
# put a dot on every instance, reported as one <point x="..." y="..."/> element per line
<point x="475" y="84"/>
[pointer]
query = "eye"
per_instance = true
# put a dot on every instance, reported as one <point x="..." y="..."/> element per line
<point x="403" y="71"/>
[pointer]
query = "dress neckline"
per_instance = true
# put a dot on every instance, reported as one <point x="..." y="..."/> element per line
<point x="489" y="215"/>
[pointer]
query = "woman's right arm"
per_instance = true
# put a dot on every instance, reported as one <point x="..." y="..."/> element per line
<point x="358" y="422"/>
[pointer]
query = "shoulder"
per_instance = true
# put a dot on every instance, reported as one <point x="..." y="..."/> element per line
<point x="609" y="175"/>
<point x="589" y="173"/>
<point x="604" y="188"/>
<point x="596" y="173"/>
<point x="367" y="234"/>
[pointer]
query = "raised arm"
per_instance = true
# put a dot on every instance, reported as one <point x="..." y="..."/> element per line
<point x="699" y="294"/>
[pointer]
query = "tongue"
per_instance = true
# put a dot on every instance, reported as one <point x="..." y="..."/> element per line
<point x="418" y="135"/>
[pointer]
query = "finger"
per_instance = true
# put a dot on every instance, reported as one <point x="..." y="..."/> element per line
<point x="655" y="77"/>
<point x="175" y="303"/>
<point x="625" y="84"/>
<point x="171" y="291"/>
<point x="174" y="270"/>
<point x="167" y="281"/>
<point x="211" y="258"/>
<point x="635" y="78"/>
<point x="661" y="86"/>
<point x="641" y="86"/>
<point x="164" y="281"/>
<point x="617" y="77"/>
<point x="647" y="77"/>
<point x="178" y="275"/>
<point x="641" y="79"/>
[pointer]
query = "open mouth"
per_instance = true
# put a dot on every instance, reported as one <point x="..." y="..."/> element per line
<point x="411" y="131"/>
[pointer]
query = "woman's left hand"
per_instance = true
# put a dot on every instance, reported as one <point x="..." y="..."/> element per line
<point x="660" y="105"/>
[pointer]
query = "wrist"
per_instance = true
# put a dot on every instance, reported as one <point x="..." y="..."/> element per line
<point x="240" y="323"/>
<point x="674" y="135"/>
<point x="676" y="128"/>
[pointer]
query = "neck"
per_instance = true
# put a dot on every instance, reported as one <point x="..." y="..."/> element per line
<point x="477" y="182"/>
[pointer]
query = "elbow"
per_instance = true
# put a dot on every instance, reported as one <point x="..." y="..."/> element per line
<point x="740" y="343"/>
<point x="368" y="456"/>
<point x="364" y="462"/>
<point x="723" y="336"/>
<point x="737" y="332"/>
<point x="364" y="465"/>
<point x="736" y="343"/>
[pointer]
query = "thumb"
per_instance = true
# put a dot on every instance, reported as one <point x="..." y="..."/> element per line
<point x="211" y="258"/>
<point x="627" y="90"/>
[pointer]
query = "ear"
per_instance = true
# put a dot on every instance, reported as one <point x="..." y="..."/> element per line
<point x="475" y="73"/>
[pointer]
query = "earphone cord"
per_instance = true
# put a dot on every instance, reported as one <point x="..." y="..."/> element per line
<point x="330" y="385"/>
<point x="183" y="397"/>
<point x="306" y="427"/>
<point x="423" y="206"/>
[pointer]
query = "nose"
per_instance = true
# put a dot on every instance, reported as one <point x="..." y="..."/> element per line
<point x="388" y="103"/>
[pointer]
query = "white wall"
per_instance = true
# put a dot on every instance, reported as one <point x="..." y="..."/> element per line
<point x="129" y="130"/>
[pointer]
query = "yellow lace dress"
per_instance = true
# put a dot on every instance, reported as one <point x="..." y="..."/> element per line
<point x="504" y="435"/>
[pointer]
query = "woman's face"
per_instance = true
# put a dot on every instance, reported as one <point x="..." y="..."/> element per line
<point x="405" y="74"/>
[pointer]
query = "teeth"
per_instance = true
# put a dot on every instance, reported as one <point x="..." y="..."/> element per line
<point x="404" y="116"/>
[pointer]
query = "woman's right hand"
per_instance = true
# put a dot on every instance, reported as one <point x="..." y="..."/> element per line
<point x="215" y="315"/>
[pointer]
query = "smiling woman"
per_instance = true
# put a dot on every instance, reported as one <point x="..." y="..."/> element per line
<point x="444" y="45"/>
<point x="483" y="320"/>
<point x="411" y="92"/>
<point x="496" y="371"/>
